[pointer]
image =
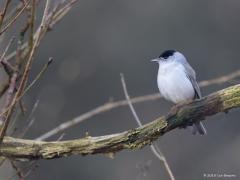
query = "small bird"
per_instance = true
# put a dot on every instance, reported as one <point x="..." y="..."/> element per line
<point x="176" y="81"/>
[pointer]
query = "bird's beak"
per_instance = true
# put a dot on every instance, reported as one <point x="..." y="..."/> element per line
<point x="155" y="60"/>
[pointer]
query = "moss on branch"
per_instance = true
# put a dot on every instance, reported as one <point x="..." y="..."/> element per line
<point x="184" y="114"/>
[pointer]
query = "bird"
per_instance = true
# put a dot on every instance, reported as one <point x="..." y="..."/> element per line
<point x="176" y="81"/>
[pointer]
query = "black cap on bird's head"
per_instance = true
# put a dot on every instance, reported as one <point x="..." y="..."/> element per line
<point x="164" y="56"/>
<point x="167" y="54"/>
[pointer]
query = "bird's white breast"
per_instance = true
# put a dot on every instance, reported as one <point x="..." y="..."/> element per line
<point x="173" y="83"/>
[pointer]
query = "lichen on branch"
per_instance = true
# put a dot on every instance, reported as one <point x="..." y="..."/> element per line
<point x="182" y="115"/>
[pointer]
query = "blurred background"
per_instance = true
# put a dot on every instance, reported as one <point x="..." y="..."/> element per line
<point x="96" y="42"/>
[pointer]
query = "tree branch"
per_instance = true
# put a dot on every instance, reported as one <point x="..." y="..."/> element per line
<point x="112" y="105"/>
<point x="155" y="150"/>
<point x="14" y="19"/>
<point x="185" y="114"/>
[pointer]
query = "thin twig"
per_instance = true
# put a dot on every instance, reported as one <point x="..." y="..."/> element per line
<point x="221" y="79"/>
<point x="8" y="100"/>
<point x="7" y="66"/>
<point x="61" y="137"/>
<point x="30" y="120"/>
<point x="10" y="95"/>
<point x="43" y="70"/>
<point x="18" y="171"/>
<point x="14" y="11"/>
<point x="5" y="116"/>
<point x="37" y="37"/>
<point x="25" y="74"/>
<point x="3" y="13"/>
<point x="14" y="19"/>
<point x="39" y="75"/>
<point x="56" y="16"/>
<point x="129" y="101"/>
<point x="6" y="49"/>
<point x="12" y="126"/>
<point x="160" y="155"/>
<point x="52" y="19"/>
<point x="30" y="166"/>
<point x="112" y="105"/>
<point x="31" y="23"/>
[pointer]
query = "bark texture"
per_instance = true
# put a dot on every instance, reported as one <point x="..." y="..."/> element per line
<point x="180" y="116"/>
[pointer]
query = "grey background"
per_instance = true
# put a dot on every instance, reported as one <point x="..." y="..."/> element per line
<point x="97" y="41"/>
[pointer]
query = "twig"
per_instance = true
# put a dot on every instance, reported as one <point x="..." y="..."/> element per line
<point x="160" y="155"/>
<point x="31" y="23"/>
<point x="13" y="75"/>
<point x="39" y="75"/>
<point x="15" y="18"/>
<point x="30" y="120"/>
<point x="19" y="63"/>
<point x="9" y="69"/>
<point x="14" y="11"/>
<point x="186" y="114"/>
<point x="6" y="49"/>
<point x="221" y="79"/>
<point x="18" y="171"/>
<point x="56" y="16"/>
<point x="7" y="66"/>
<point x="4" y="116"/>
<point x="129" y="101"/>
<point x="25" y="75"/>
<point x="37" y="37"/>
<point x="9" y="98"/>
<point x="32" y="168"/>
<point x="31" y="84"/>
<point x="52" y="19"/>
<point x="61" y="137"/>
<point x="31" y="165"/>
<point x="112" y="105"/>
<point x="3" y="13"/>
<point x="12" y="128"/>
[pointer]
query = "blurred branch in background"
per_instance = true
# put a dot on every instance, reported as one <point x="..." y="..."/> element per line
<point x="54" y="16"/>
<point x="24" y="54"/>
<point x="156" y="151"/>
<point x="112" y="105"/>
<point x="181" y="116"/>
<point x="8" y="109"/>
<point x="17" y="64"/>
<point x="14" y="18"/>
<point x="3" y="12"/>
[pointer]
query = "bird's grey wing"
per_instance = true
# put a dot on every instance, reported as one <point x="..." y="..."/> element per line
<point x="198" y="127"/>
<point x="192" y="77"/>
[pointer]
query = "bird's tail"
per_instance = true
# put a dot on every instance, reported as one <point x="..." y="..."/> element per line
<point x="198" y="128"/>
